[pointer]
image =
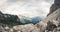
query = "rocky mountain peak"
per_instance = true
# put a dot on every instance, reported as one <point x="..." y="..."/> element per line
<point x="54" y="6"/>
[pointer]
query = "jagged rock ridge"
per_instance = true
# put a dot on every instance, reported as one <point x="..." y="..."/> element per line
<point x="54" y="6"/>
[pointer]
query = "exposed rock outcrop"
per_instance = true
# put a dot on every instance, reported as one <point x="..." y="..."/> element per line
<point x="51" y="22"/>
<point x="54" y="6"/>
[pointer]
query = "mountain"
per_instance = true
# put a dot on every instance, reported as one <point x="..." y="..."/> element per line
<point x="9" y="19"/>
<point x="27" y="20"/>
<point x="54" y="6"/>
<point x="52" y="22"/>
<point x="36" y="19"/>
<point x="17" y="19"/>
<point x="49" y="24"/>
<point x="24" y="19"/>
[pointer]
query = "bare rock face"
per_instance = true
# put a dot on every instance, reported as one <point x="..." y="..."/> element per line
<point x="54" y="6"/>
<point x="51" y="23"/>
<point x="57" y="2"/>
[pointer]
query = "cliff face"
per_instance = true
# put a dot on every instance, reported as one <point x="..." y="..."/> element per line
<point x="57" y="2"/>
<point x="54" y="6"/>
<point x="50" y="23"/>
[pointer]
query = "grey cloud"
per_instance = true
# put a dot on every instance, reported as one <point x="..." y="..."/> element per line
<point x="28" y="7"/>
<point x="50" y="1"/>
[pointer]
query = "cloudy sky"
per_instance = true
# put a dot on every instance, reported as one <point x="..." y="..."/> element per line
<point x="28" y="8"/>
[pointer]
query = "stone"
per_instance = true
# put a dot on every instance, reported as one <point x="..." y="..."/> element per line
<point x="54" y="6"/>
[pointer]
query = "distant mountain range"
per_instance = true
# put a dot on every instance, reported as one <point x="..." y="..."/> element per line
<point x="18" y="20"/>
<point x="36" y="19"/>
<point x="27" y="20"/>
